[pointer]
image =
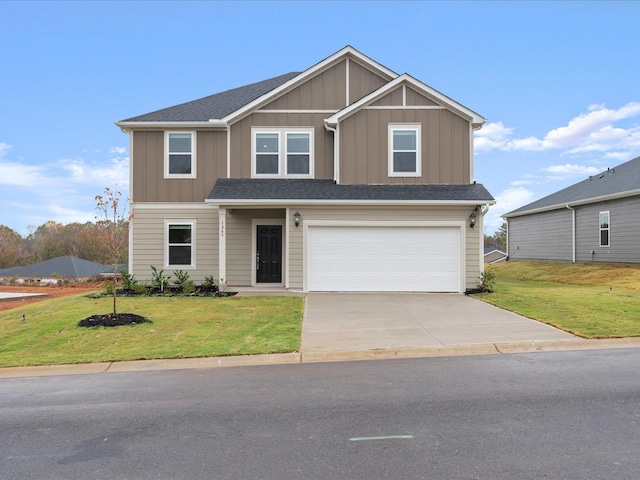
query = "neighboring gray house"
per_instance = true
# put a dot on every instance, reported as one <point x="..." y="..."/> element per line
<point x="596" y="220"/>
<point x="344" y="177"/>
<point x="50" y="271"/>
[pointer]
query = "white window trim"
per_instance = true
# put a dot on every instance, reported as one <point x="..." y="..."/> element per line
<point x="608" y="229"/>
<point x="193" y="156"/>
<point x="405" y="126"/>
<point x="190" y="222"/>
<point x="282" y="152"/>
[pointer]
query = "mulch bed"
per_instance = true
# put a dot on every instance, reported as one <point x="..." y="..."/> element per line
<point x="111" y="320"/>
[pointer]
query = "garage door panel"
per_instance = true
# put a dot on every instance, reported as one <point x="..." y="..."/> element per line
<point x="384" y="258"/>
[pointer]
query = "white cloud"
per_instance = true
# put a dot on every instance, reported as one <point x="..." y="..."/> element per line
<point x="520" y="183"/>
<point x="588" y="132"/>
<point x="4" y="148"/>
<point x="62" y="190"/>
<point x="506" y="201"/>
<point x="569" y="170"/>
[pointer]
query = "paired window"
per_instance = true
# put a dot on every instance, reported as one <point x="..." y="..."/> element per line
<point x="180" y="157"/>
<point x="604" y="229"/>
<point x="180" y="246"/>
<point x="282" y="153"/>
<point x="404" y="150"/>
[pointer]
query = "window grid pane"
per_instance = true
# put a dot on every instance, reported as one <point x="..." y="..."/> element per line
<point x="298" y="164"/>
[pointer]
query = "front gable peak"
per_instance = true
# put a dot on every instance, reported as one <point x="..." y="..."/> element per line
<point x="407" y="80"/>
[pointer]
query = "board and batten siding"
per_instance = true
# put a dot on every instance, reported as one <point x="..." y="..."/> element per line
<point x="541" y="236"/>
<point x="241" y="140"/>
<point x="473" y="259"/>
<point x="364" y="147"/>
<point x="148" y="227"/>
<point x="147" y="164"/>
<point x="624" y="232"/>
<point x="328" y="89"/>
<point x="240" y="259"/>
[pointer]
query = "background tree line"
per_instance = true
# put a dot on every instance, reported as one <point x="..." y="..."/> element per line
<point x="499" y="238"/>
<point x="51" y="239"/>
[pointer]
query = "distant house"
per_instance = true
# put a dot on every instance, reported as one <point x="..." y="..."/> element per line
<point x="51" y="271"/>
<point x="493" y="255"/>
<point x="344" y="177"/>
<point x="595" y="220"/>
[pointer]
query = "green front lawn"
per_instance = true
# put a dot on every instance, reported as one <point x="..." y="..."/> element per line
<point x="182" y="327"/>
<point x="589" y="300"/>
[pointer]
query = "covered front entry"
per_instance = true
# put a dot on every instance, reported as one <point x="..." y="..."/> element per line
<point x="384" y="258"/>
<point x="269" y="254"/>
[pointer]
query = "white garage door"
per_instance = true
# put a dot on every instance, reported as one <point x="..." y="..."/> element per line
<point x="384" y="259"/>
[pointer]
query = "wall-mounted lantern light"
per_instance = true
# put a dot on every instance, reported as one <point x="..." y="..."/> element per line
<point x="296" y="219"/>
<point x="472" y="218"/>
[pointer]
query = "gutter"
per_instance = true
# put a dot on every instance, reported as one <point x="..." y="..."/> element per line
<point x="128" y="126"/>
<point x="586" y="201"/>
<point x="336" y="150"/>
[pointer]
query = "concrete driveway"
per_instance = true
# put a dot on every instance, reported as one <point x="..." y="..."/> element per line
<point x="344" y="322"/>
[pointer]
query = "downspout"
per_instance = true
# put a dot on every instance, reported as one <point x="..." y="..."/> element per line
<point x="336" y="151"/>
<point x="573" y="232"/>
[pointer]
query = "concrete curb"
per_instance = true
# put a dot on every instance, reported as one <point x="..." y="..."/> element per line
<point x="320" y="357"/>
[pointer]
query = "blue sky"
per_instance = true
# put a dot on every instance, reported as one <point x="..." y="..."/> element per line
<point x="559" y="83"/>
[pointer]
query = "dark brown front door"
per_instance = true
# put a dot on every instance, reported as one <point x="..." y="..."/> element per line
<point x="269" y="254"/>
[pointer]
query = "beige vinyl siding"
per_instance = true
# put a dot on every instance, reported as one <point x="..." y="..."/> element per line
<point x="624" y="232"/>
<point x="386" y="213"/>
<point x="541" y="236"/>
<point x="241" y="140"/>
<point x="148" y="227"/>
<point x="364" y="146"/>
<point x="147" y="163"/>
<point x="240" y="260"/>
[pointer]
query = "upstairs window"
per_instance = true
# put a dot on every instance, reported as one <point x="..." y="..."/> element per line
<point x="604" y="229"/>
<point x="282" y="153"/>
<point x="180" y="155"/>
<point x="405" y="157"/>
<point x="180" y="247"/>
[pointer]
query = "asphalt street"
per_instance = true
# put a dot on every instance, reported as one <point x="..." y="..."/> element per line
<point x="557" y="415"/>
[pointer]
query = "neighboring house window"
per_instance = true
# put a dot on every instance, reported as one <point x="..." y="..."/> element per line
<point x="180" y="244"/>
<point x="404" y="150"/>
<point x="180" y="159"/>
<point x="282" y="153"/>
<point x="604" y="229"/>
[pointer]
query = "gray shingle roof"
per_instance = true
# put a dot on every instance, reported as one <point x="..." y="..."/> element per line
<point x="214" y="106"/>
<point x="61" y="266"/>
<point x="617" y="180"/>
<point x="304" y="189"/>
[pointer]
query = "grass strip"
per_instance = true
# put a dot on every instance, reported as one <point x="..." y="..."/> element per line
<point x="182" y="327"/>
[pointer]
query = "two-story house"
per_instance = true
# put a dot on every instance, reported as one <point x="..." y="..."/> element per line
<point x="344" y="177"/>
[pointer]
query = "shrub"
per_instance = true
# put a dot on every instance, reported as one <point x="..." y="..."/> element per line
<point x="185" y="285"/>
<point x="487" y="280"/>
<point x="129" y="281"/>
<point x="158" y="279"/>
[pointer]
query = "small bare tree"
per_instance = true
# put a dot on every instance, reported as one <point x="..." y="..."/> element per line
<point x="113" y="232"/>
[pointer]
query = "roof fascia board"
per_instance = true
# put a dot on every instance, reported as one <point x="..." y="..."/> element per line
<point x="164" y="125"/>
<point x="586" y="201"/>
<point x="249" y="201"/>
<point x="476" y="119"/>
<point x="308" y="73"/>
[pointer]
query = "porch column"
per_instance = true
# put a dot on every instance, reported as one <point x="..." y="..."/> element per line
<point x="222" y="245"/>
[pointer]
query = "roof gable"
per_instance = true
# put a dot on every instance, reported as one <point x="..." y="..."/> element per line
<point x="225" y="107"/>
<point x="622" y="180"/>
<point x="214" y="106"/>
<point x="406" y="79"/>
<point x="60" y="266"/>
